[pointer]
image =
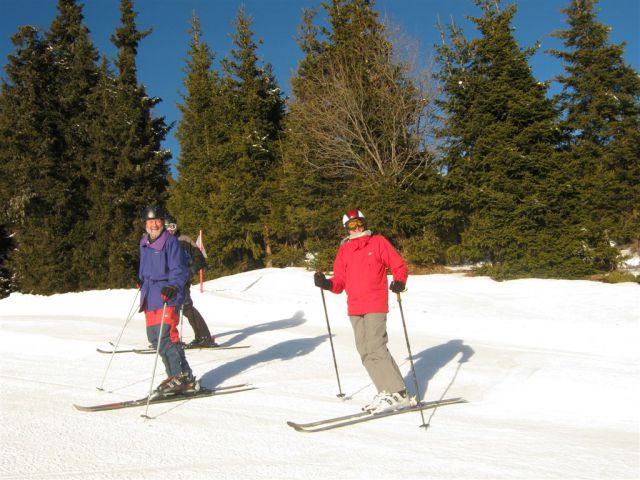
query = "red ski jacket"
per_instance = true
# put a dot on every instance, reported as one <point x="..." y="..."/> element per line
<point x="360" y="268"/>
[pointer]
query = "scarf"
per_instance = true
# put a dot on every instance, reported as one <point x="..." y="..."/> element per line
<point x="355" y="235"/>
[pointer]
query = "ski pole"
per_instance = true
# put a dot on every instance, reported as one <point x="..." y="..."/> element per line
<point x="333" y="353"/>
<point x="155" y="362"/>
<point x="115" y="346"/>
<point x="413" y="368"/>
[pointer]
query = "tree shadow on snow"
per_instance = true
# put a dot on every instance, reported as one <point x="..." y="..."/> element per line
<point x="280" y="351"/>
<point x="428" y="362"/>
<point x="244" y="333"/>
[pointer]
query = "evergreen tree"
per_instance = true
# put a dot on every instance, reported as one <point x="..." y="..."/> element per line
<point x="245" y="159"/>
<point x="600" y="102"/>
<point x="201" y="132"/>
<point x="26" y="144"/>
<point x="503" y="173"/>
<point x="256" y="111"/>
<point x="228" y="134"/>
<point x="128" y="167"/>
<point x="44" y="147"/>
<point x="100" y="170"/>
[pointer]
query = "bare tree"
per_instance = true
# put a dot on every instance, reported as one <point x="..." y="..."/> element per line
<point x="367" y="113"/>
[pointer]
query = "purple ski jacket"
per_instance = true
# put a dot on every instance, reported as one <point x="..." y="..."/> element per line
<point x="162" y="263"/>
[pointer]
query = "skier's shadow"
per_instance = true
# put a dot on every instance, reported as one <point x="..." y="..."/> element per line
<point x="280" y="351"/>
<point x="428" y="362"/>
<point x="244" y="333"/>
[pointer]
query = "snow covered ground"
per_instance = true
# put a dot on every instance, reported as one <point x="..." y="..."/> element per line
<point x="549" y="367"/>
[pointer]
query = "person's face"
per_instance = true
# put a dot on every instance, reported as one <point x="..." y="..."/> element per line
<point x="154" y="227"/>
<point x="355" y="226"/>
<point x="171" y="228"/>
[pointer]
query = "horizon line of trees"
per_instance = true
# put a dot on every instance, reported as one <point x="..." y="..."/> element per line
<point x="465" y="161"/>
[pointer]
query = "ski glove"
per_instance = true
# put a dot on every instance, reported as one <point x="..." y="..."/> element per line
<point x="168" y="293"/>
<point x="397" y="286"/>
<point x="321" y="281"/>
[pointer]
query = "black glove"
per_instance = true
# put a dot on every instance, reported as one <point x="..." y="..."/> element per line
<point x="397" y="286"/>
<point x="321" y="281"/>
<point x="168" y="292"/>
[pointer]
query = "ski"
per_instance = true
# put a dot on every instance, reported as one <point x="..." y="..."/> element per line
<point x="151" y="350"/>
<point x="361" y="417"/>
<point x="203" y="392"/>
<point x="144" y="351"/>
<point x="125" y="350"/>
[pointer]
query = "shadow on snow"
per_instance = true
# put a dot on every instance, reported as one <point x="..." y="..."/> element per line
<point x="280" y="351"/>
<point x="428" y="362"/>
<point x="244" y="333"/>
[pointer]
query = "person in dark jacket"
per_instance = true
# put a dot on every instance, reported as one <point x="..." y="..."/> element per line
<point x="163" y="271"/>
<point x="360" y="269"/>
<point x="197" y="262"/>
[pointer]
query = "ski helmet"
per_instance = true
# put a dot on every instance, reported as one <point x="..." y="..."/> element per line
<point x="153" y="211"/>
<point x="350" y="216"/>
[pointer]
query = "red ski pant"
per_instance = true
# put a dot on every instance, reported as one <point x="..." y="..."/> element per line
<point x="170" y="348"/>
<point x="171" y="318"/>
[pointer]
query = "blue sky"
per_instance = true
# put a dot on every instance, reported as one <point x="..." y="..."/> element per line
<point x="162" y="55"/>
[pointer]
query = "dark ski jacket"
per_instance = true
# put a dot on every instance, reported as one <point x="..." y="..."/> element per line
<point x="195" y="258"/>
<point x="162" y="262"/>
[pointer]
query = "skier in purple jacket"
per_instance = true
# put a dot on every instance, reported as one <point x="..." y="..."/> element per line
<point x="163" y="272"/>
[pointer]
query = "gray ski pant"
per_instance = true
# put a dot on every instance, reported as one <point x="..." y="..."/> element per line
<point x="370" y="331"/>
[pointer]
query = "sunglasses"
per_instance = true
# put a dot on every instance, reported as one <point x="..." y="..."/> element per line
<point x="354" y="223"/>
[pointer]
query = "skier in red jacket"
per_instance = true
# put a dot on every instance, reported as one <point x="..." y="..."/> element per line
<point x="360" y="268"/>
